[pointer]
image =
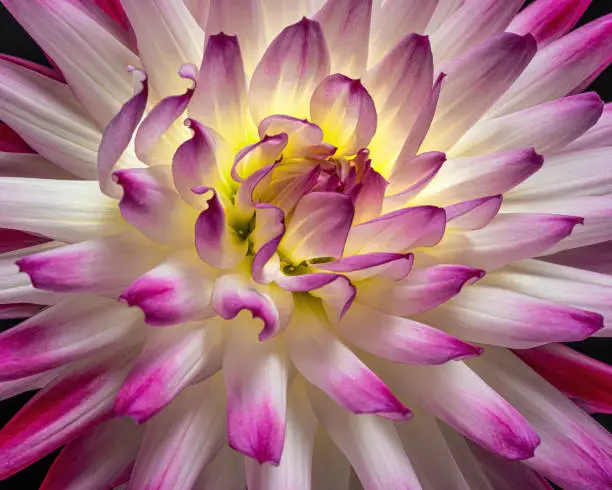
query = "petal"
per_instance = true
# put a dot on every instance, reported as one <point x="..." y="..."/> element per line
<point x="173" y="451"/>
<point x="52" y="73"/>
<point x="217" y="243"/>
<point x="9" y="389"/>
<point x="15" y="240"/>
<point x="31" y="165"/>
<point x="474" y="214"/>
<point x="380" y="264"/>
<point x="399" y="84"/>
<point x="559" y="68"/>
<point x="305" y="138"/>
<point x="31" y="104"/>
<point x="531" y="127"/>
<point x="471" y="24"/>
<point x="594" y="258"/>
<point x="394" y="19"/>
<point x="548" y="20"/>
<point x="496" y="316"/>
<point x="87" y="46"/>
<point x="294" y="470"/>
<point x="466" y="178"/>
<point x="118" y="133"/>
<point x="59" y="413"/>
<point x="332" y="367"/>
<point x="168" y="37"/>
<point x="584" y="380"/>
<point x="575" y="451"/>
<point x="348" y="47"/>
<point x="369" y="202"/>
<point x="59" y="209"/>
<point x="13" y="311"/>
<point x="369" y="442"/>
<point x="220" y="99"/>
<point x="231" y="294"/>
<point x="291" y="68"/>
<point x="103" y="265"/>
<point x="345" y="111"/>
<point x="255" y="157"/>
<point x="11" y="142"/>
<point x="474" y="82"/>
<point x="268" y="232"/>
<point x="586" y="172"/>
<point x="420" y="291"/>
<point x="400" y="339"/>
<point x="476" y="411"/>
<point x="224" y="471"/>
<point x="97" y="459"/>
<point x="151" y="204"/>
<point x="397" y="231"/>
<point x="318" y="227"/>
<point x="71" y="330"/>
<point x="256" y="385"/>
<point x="597" y="136"/>
<point x="509" y="237"/>
<point x="176" y="291"/>
<point x="444" y="10"/>
<point x="171" y="360"/>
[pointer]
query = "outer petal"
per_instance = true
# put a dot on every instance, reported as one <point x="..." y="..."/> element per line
<point x="173" y="450"/>
<point x="63" y="210"/>
<point x="531" y="127"/>
<point x="560" y="67"/>
<point x="31" y="103"/>
<point x="97" y="459"/>
<point x="59" y="413"/>
<point x="331" y="366"/>
<point x="420" y="291"/>
<point x="474" y="82"/>
<point x="268" y="232"/>
<point x="476" y="410"/>
<point x="399" y="85"/>
<point x="379" y="264"/>
<point x="597" y="136"/>
<point x="496" y="316"/>
<point x="168" y="37"/>
<point x="176" y="291"/>
<point x="475" y="213"/>
<point x="369" y="442"/>
<point x="548" y="20"/>
<point x="346" y="26"/>
<point x="224" y="471"/>
<point x="256" y="384"/>
<point x="31" y="165"/>
<point x="52" y="73"/>
<point x="471" y="24"/>
<point x="596" y="258"/>
<point x="171" y="360"/>
<point x="344" y="109"/>
<point x="318" y="227"/>
<point x="104" y="265"/>
<point x="575" y="452"/>
<point x="400" y="339"/>
<point x="509" y="237"/>
<point x="88" y="47"/>
<point x="292" y="66"/>
<point x="220" y="99"/>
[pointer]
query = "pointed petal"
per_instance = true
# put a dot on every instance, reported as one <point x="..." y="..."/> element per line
<point x="345" y="111"/>
<point x="291" y="68"/>
<point x="474" y="82"/>
<point x="496" y="316"/>
<point x="598" y="135"/>
<point x="171" y="360"/>
<point x="168" y="37"/>
<point x="256" y="384"/>
<point x="173" y="450"/>
<point x="400" y="339"/>
<point x="378" y="264"/>
<point x="474" y="214"/>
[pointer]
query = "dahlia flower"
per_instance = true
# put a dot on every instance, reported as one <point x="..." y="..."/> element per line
<point x="294" y="245"/>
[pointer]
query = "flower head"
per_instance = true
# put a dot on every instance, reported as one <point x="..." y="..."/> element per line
<point x="276" y="225"/>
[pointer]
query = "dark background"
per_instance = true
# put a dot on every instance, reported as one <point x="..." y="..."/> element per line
<point x="14" y="41"/>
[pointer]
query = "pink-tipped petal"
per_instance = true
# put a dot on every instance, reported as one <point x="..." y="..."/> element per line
<point x="256" y="385"/>
<point x="420" y="291"/>
<point x="474" y="214"/>
<point x="171" y="360"/>
<point x="348" y="46"/>
<point x="497" y="316"/>
<point x="96" y="459"/>
<point x="176" y="291"/>
<point x="473" y="83"/>
<point x="30" y="65"/>
<point x="344" y="109"/>
<point x="414" y="172"/>
<point x="377" y="264"/>
<point x="400" y="339"/>
<point x="598" y="136"/>
<point x="305" y="138"/>
<point x="255" y="157"/>
<point x="268" y="232"/>
<point x="319" y="227"/>
<point x="291" y="68"/>
<point x="331" y="366"/>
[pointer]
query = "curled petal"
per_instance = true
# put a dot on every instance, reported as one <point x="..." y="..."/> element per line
<point x="305" y="138"/>
<point x="254" y="157"/>
<point x="292" y="66"/>
<point x="268" y="233"/>
<point x="344" y="109"/>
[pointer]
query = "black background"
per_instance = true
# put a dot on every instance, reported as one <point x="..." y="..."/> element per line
<point x="14" y="41"/>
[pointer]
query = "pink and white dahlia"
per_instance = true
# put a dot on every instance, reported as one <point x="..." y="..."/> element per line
<point x="307" y="244"/>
